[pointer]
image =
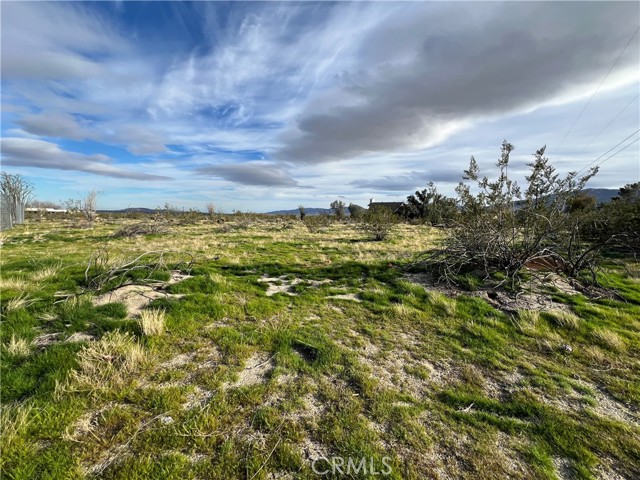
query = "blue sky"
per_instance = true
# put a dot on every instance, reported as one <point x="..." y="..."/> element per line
<point x="264" y="106"/>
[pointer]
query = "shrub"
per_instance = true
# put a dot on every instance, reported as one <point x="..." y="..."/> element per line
<point x="430" y="206"/>
<point x="356" y="212"/>
<point x="138" y="229"/>
<point x="316" y="223"/>
<point x="501" y="230"/>
<point x="337" y="206"/>
<point x="379" y="222"/>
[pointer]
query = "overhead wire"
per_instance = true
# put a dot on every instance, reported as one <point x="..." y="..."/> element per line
<point x="598" y="89"/>
<point x="620" y="112"/>
<point x="612" y="148"/>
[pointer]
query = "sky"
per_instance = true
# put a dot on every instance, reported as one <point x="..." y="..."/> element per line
<point x="260" y="106"/>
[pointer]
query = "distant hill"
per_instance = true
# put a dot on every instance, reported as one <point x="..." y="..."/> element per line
<point x="602" y="195"/>
<point x="130" y="210"/>
<point x="308" y="211"/>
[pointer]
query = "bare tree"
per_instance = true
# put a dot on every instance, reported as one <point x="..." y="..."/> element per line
<point x="17" y="189"/>
<point x="211" y="210"/>
<point x="89" y="205"/>
<point x="85" y="206"/>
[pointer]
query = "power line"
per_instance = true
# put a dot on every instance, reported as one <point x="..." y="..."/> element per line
<point x="612" y="148"/>
<point x="623" y="148"/>
<point x="608" y="124"/>
<point x="597" y="89"/>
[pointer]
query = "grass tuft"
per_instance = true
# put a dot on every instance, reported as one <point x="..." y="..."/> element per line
<point x="107" y="365"/>
<point x="152" y="322"/>
<point x="21" y="301"/>
<point x="442" y="302"/>
<point x="565" y="319"/>
<point x="608" y="339"/>
<point x="18" y="347"/>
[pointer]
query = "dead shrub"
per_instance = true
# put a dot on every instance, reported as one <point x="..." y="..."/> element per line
<point x="139" y="229"/>
<point x="316" y="223"/>
<point x="379" y="222"/>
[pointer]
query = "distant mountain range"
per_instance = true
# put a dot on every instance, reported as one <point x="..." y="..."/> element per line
<point x="130" y="210"/>
<point x="602" y="195"/>
<point x="307" y="211"/>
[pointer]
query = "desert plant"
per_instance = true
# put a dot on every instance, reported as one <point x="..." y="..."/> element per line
<point x="316" y="223"/>
<point x="302" y="212"/>
<point x="337" y="206"/>
<point x="620" y="217"/>
<point x="138" y="229"/>
<point x="356" y="212"/>
<point x="85" y="206"/>
<point x="501" y="230"/>
<point x="17" y="190"/>
<point x="211" y="211"/>
<point x="379" y="222"/>
<point x="430" y="206"/>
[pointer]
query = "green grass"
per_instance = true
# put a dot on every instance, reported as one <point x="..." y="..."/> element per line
<point x="244" y="385"/>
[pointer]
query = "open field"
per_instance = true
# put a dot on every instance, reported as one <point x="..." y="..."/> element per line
<point x="279" y="347"/>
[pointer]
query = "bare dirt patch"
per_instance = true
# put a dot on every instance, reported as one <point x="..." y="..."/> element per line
<point x="135" y="297"/>
<point x="283" y="284"/>
<point x="346" y="296"/>
<point x="255" y="370"/>
<point x="46" y="339"/>
<point x="534" y="297"/>
<point x="80" y="337"/>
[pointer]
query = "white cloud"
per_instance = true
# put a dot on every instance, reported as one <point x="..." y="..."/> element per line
<point x="28" y="152"/>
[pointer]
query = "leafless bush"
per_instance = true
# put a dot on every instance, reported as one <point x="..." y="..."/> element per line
<point x="17" y="189"/>
<point x="379" y="222"/>
<point x="211" y="211"/>
<point x="316" y="223"/>
<point x="138" y="229"/>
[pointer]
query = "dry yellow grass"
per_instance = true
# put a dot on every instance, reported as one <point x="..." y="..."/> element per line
<point x="152" y="322"/>
<point x="14" y="419"/>
<point x="17" y="303"/>
<point x="13" y="283"/>
<point x="565" y="319"/>
<point x="107" y="365"/>
<point x="609" y="339"/>
<point x="46" y="272"/>
<point x="439" y="300"/>
<point x="18" y="347"/>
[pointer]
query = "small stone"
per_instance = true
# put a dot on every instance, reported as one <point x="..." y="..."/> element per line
<point x="166" y="420"/>
<point x="567" y="348"/>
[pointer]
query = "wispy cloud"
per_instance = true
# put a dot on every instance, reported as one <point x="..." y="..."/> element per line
<point x="266" y="174"/>
<point x="458" y="64"/>
<point x="347" y="96"/>
<point x="28" y="152"/>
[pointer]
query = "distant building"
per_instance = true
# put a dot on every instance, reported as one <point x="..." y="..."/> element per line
<point x="47" y="210"/>
<point x="393" y="206"/>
